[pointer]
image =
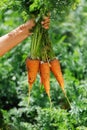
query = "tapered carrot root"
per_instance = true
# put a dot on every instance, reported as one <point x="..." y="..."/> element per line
<point x="45" y="76"/>
<point x="56" y="70"/>
<point x="32" y="68"/>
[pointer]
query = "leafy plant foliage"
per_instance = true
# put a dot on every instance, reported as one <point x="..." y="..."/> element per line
<point x="69" y="43"/>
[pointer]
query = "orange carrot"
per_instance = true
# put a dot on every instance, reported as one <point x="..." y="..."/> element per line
<point x="56" y="70"/>
<point x="45" y="76"/>
<point x="33" y="68"/>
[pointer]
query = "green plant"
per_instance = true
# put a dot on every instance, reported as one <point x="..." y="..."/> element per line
<point x="69" y="36"/>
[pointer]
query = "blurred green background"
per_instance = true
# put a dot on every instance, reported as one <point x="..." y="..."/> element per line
<point x="69" y="37"/>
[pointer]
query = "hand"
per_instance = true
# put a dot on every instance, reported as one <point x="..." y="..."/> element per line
<point x="30" y="24"/>
<point x="46" y="22"/>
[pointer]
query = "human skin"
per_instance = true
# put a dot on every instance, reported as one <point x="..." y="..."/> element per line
<point x="16" y="36"/>
<point x="10" y="40"/>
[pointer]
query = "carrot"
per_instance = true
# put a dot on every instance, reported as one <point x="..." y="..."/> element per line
<point x="45" y="76"/>
<point x="32" y="68"/>
<point x="56" y="70"/>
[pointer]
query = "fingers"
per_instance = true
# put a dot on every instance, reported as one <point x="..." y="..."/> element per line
<point x="46" y="22"/>
<point x="30" y="24"/>
<point x="46" y="25"/>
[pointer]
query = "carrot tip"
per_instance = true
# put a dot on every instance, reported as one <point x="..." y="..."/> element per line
<point x="50" y="101"/>
<point x="30" y="86"/>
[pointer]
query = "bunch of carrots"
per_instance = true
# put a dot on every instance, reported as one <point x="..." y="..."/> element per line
<point x="42" y="60"/>
<point x="35" y="66"/>
<point x="43" y="68"/>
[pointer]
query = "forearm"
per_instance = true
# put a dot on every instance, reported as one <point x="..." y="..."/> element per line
<point x="10" y="40"/>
